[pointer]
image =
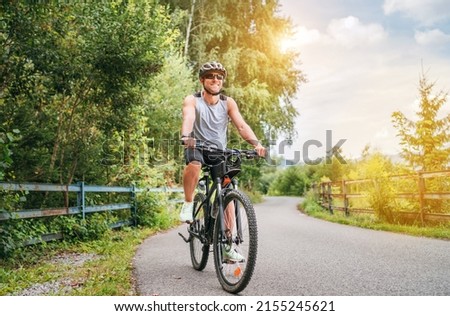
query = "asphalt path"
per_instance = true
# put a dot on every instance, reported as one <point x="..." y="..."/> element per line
<point x="303" y="256"/>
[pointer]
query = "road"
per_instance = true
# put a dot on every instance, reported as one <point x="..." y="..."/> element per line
<point x="303" y="256"/>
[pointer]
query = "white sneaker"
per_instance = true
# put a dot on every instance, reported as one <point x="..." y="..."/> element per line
<point x="186" y="212"/>
<point x="232" y="255"/>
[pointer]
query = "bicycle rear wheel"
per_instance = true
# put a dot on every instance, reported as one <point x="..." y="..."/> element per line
<point x="199" y="244"/>
<point x="241" y="236"/>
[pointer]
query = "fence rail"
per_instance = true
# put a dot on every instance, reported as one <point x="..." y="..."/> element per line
<point x="328" y="192"/>
<point x="81" y="189"/>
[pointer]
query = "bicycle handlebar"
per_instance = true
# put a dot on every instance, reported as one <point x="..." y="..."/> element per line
<point x="247" y="153"/>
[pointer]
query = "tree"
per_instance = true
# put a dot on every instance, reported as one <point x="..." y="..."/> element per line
<point x="74" y="76"/>
<point x="425" y="142"/>
<point x="244" y="36"/>
<point x="291" y="181"/>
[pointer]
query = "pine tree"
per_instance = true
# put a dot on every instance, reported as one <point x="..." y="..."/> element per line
<point x="425" y="142"/>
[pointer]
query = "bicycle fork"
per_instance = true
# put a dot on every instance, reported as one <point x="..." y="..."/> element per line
<point x="221" y="216"/>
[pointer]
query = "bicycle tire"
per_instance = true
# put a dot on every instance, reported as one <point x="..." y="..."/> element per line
<point x="199" y="249"/>
<point x="235" y="276"/>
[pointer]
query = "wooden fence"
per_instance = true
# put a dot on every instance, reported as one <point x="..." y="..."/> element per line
<point x="348" y="195"/>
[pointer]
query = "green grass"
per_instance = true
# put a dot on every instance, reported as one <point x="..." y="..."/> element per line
<point x="369" y="221"/>
<point x="109" y="274"/>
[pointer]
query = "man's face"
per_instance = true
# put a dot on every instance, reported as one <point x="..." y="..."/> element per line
<point x="213" y="81"/>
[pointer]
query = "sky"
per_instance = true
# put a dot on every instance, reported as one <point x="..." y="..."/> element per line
<point x="363" y="61"/>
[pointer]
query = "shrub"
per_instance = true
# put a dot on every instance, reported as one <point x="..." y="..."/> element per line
<point x="291" y="182"/>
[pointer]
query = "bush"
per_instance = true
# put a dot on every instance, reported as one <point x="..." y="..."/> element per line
<point x="381" y="194"/>
<point x="92" y="227"/>
<point x="290" y="182"/>
<point x="154" y="210"/>
<point x="310" y="205"/>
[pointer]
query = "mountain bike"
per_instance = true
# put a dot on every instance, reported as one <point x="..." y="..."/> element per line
<point x="224" y="218"/>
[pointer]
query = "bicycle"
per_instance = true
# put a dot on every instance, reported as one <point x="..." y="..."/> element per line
<point x="225" y="218"/>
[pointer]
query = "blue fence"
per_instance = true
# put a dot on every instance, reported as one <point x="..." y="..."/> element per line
<point x="81" y="189"/>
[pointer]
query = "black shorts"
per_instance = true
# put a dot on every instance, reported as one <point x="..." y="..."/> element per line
<point x="203" y="156"/>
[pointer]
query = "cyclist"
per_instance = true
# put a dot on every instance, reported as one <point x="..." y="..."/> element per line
<point x="205" y="118"/>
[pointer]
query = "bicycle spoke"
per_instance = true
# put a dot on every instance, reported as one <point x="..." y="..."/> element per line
<point x="235" y="259"/>
<point x="199" y="246"/>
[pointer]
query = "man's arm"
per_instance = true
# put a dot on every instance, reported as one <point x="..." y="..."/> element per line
<point x="188" y="118"/>
<point x="243" y="128"/>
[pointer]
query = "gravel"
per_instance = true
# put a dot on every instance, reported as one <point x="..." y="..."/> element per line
<point x="62" y="286"/>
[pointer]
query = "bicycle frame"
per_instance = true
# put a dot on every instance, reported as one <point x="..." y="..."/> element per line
<point x="217" y="189"/>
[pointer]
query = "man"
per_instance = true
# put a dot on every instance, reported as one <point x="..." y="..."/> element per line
<point x="205" y="118"/>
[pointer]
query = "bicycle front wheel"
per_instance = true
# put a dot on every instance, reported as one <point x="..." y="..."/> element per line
<point x="199" y="243"/>
<point x="235" y="249"/>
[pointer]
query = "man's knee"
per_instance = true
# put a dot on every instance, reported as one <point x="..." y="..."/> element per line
<point x="193" y="167"/>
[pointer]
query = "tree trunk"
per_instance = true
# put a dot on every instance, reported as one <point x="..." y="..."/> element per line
<point x="188" y="29"/>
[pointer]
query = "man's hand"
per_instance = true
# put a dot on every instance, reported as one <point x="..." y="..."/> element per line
<point x="261" y="150"/>
<point x="188" y="142"/>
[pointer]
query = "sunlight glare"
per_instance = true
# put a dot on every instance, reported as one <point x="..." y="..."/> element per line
<point x="301" y="36"/>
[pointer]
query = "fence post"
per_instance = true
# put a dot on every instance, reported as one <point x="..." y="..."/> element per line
<point x="344" y="192"/>
<point x="421" y="186"/>
<point x="330" y="199"/>
<point x="133" y="205"/>
<point x="81" y="199"/>
<point x="320" y="193"/>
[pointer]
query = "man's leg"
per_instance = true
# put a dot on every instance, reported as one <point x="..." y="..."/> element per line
<point x="190" y="178"/>
<point x="230" y="253"/>
<point x="230" y="218"/>
<point x="191" y="174"/>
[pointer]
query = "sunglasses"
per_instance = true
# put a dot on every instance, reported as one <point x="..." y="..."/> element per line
<point x="212" y="76"/>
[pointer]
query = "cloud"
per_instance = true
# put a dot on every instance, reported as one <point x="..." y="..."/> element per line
<point x="427" y="12"/>
<point x="432" y="37"/>
<point x="307" y="36"/>
<point x="351" y="32"/>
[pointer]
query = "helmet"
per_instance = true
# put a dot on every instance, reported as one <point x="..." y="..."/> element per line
<point x="210" y="67"/>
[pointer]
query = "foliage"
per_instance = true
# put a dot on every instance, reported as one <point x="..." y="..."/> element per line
<point x="269" y="175"/>
<point x="291" y="181"/>
<point x="75" y="228"/>
<point x="84" y="83"/>
<point x="391" y="190"/>
<point x="369" y="221"/>
<point x="331" y="168"/>
<point x="75" y="75"/>
<point x="425" y="142"/>
<point x="155" y="210"/>
<point x="310" y="205"/>
<point x="250" y="175"/>
<point x="6" y="141"/>
<point x="244" y="36"/>
<point x="381" y="193"/>
<point x="17" y="233"/>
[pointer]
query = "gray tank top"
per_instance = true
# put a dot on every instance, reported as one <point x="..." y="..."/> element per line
<point x="211" y="121"/>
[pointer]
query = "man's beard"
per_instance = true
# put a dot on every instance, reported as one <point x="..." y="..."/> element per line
<point x="211" y="93"/>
